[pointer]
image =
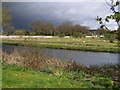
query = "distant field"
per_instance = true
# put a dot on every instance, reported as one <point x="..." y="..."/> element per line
<point x="84" y="44"/>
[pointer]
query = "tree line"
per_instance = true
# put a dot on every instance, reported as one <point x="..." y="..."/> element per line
<point x="67" y="28"/>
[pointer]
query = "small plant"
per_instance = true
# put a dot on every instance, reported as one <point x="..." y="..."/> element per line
<point x="48" y="69"/>
<point x="104" y="81"/>
<point x="73" y="66"/>
<point x="111" y="41"/>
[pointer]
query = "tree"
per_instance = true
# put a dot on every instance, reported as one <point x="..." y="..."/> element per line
<point x="37" y="27"/>
<point x="7" y="21"/>
<point x="6" y="17"/>
<point x="80" y="30"/>
<point x="101" y="31"/>
<point x="65" y="28"/>
<point x="48" y="29"/>
<point x="116" y="14"/>
<point x="20" y="32"/>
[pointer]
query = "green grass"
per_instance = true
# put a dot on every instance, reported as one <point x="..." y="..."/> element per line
<point x="51" y="77"/>
<point x="83" y="44"/>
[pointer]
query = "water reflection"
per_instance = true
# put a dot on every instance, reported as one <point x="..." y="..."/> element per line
<point x="85" y="58"/>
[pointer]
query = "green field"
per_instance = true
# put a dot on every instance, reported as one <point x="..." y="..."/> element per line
<point x="83" y="44"/>
<point x="17" y="77"/>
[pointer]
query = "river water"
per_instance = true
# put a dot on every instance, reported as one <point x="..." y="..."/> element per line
<point x="82" y="57"/>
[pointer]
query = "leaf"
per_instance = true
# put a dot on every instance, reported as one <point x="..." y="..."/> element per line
<point x="108" y="17"/>
<point x="100" y="22"/>
<point x="96" y="18"/>
<point x="100" y="19"/>
<point x="113" y="16"/>
<point x="117" y="3"/>
<point x="112" y="8"/>
<point x="102" y="26"/>
<point x="106" y="20"/>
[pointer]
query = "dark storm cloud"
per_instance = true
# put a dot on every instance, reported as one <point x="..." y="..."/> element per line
<point x="83" y="13"/>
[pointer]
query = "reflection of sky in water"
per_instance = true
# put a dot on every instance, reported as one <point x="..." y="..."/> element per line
<point x="64" y="55"/>
<point x="119" y="58"/>
<point x="86" y="58"/>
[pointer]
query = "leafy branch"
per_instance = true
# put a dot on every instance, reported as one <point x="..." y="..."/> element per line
<point x="115" y="16"/>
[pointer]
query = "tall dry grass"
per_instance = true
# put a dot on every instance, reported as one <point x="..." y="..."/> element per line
<point x="30" y="57"/>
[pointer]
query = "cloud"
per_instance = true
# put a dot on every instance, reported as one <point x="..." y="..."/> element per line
<point x="83" y="13"/>
<point x="112" y="25"/>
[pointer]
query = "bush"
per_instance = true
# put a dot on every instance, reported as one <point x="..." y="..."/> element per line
<point x="20" y="32"/>
<point x="76" y="35"/>
<point x="61" y="35"/>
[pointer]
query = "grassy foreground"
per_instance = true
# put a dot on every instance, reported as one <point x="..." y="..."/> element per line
<point x="26" y="68"/>
<point x="18" y="77"/>
<point x="83" y="44"/>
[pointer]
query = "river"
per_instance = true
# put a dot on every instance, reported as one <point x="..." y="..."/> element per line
<point x="82" y="57"/>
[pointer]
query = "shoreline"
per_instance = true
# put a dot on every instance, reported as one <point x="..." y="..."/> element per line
<point x="64" y="47"/>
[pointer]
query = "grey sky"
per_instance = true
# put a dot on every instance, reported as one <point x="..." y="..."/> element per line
<point x="83" y="13"/>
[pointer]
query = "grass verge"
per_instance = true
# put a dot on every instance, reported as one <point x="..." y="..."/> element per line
<point x="18" y="77"/>
<point x="83" y="44"/>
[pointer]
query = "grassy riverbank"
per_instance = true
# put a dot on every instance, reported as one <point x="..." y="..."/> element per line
<point x="17" y="77"/>
<point x="28" y="69"/>
<point x="83" y="44"/>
